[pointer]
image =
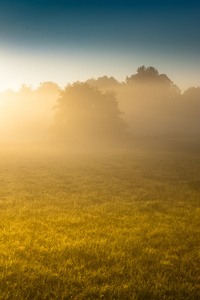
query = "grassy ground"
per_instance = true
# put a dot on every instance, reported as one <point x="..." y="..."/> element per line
<point x="124" y="225"/>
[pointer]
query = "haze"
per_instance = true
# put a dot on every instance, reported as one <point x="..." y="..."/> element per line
<point x="99" y="149"/>
<point x="100" y="112"/>
<point x="48" y="45"/>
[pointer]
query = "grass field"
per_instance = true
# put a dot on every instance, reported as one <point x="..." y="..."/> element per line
<point x="121" y="225"/>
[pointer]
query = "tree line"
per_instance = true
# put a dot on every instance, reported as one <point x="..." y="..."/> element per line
<point x="104" y="109"/>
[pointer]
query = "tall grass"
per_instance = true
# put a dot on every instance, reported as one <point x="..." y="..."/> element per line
<point x="121" y="225"/>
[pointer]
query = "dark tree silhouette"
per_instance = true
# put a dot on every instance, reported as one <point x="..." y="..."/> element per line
<point x="84" y="112"/>
<point x="150" y="75"/>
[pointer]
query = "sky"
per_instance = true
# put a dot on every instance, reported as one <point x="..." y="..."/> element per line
<point x="65" y="41"/>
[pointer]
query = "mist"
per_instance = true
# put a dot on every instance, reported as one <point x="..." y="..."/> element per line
<point x="25" y="115"/>
<point x="100" y="113"/>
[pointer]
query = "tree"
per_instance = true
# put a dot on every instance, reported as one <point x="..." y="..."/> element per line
<point x="190" y="110"/>
<point x="48" y="87"/>
<point x="151" y="76"/>
<point x="104" y="82"/>
<point x="192" y="94"/>
<point x="85" y="113"/>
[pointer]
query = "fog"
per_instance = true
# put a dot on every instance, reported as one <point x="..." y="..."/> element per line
<point x="100" y="112"/>
<point x="26" y="115"/>
<point x="153" y="105"/>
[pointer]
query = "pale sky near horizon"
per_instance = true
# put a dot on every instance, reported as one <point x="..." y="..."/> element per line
<point x="65" y="41"/>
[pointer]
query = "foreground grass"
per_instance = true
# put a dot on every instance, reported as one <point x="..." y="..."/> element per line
<point x="120" y="226"/>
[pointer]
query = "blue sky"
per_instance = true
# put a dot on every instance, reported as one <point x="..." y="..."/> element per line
<point x="65" y="41"/>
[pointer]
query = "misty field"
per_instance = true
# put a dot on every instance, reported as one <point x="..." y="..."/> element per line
<point x="110" y="225"/>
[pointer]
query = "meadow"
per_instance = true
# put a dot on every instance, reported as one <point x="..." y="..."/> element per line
<point x="110" y="225"/>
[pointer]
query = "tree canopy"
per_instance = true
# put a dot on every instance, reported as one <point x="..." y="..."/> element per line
<point x="85" y="113"/>
<point x="150" y="75"/>
<point x="104" y="82"/>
